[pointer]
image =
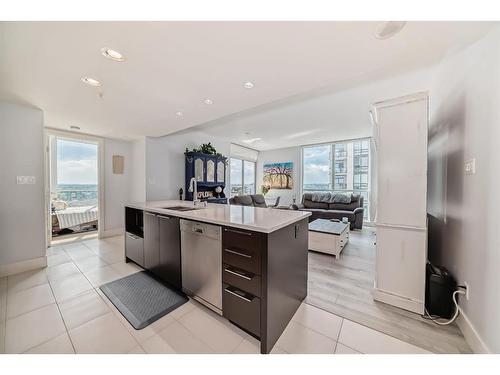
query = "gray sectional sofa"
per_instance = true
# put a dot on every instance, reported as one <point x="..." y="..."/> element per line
<point x="255" y="200"/>
<point x="324" y="206"/>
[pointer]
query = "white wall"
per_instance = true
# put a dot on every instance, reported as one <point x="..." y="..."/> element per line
<point x="464" y="227"/>
<point x="165" y="162"/>
<point x="117" y="187"/>
<point x="291" y="154"/>
<point x="22" y="213"/>
<point x="318" y="117"/>
<point x="346" y="110"/>
<point x="138" y="166"/>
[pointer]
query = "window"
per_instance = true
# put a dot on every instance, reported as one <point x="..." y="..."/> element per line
<point x="242" y="177"/>
<point x="317" y="168"/>
<point x="348" y="171"/>
<point x="340" y="183"/>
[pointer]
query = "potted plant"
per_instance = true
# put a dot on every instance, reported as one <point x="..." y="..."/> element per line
<point x="207" y="149"/>
<point x="265" y="189"/>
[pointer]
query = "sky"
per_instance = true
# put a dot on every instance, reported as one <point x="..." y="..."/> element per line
<point x="236" y="172"/>
<point x="317" y="160"/>
<point x="76" y="163"/>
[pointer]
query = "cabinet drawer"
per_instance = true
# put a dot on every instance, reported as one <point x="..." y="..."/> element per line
<point x="241" y="308"/>
<point x="242" y="258"/>
<point x="242" y="238"/>
<point x="241" y="279"/>
<point x="134" y="248"/>
<point x="242" y="249"/>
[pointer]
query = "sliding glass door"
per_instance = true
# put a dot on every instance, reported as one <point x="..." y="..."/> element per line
<point x="242" y="177"/>
<point x="74" y="185"/>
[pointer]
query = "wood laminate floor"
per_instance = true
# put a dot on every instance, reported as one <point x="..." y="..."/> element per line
<point x="343" y="287"/>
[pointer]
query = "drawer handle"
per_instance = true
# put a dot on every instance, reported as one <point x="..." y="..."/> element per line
<point x="238" y="231"/>
<point x="237" y="274"/>
<point x="237" y="253"/>
<point x="237" y="295"/>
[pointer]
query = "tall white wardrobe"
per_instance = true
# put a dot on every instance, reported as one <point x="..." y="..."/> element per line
<point x="400" y="135"/>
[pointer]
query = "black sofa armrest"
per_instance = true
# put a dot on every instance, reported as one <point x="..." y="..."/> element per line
<point x="297" y="206"/>
<point x="358" y="218"/>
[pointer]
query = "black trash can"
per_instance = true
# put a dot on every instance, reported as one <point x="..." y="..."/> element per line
<point x="440" y="286"/>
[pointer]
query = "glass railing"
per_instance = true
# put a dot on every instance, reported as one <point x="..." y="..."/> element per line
<point x="78" y="198"/>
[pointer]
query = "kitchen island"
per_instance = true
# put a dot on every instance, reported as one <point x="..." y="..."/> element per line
<point x="248" y="264"/>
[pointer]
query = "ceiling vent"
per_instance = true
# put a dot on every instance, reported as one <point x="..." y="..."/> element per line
<point x="388" y="29"/>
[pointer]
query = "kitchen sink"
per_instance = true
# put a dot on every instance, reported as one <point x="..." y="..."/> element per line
<point x="181" y="208"/>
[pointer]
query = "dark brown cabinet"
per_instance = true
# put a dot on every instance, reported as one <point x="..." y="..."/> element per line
<point x="242" y="308"/>
<point x="264" y="279"/>
<point x="170" y="253"/>
<point x="162" y="249"/>
<point x="244" y="280"/>
<point x="151" y="242"/>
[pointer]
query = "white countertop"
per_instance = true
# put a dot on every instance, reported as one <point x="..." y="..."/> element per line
<point x="265" y="220"/>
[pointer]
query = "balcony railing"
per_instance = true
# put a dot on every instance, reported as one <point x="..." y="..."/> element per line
<point x="76" y="198"/>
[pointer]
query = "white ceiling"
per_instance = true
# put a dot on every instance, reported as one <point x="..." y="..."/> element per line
<point x="319" y="117"/>
<point x="173" y="66"/>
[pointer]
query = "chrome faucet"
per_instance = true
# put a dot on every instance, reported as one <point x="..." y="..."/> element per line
<point x="193" y="188"/>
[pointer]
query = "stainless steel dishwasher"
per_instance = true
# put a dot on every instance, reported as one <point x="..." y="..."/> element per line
<point x="201" y="260"/>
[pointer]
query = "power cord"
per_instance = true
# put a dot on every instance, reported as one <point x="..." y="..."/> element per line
<point x="457" y="309"/>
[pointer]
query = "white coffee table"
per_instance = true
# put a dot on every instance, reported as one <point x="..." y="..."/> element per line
<point x="329" y="237"/>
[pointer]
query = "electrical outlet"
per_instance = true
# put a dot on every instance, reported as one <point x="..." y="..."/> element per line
<point x="467" y="290"/>
<point x="25" y="180"/>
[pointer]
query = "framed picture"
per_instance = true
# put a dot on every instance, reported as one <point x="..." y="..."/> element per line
<point x="278" y="175"/>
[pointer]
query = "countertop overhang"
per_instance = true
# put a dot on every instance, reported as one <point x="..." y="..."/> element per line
<point x="265" y="220"/>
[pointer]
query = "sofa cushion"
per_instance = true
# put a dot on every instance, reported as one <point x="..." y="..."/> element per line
<point x="330" y="214"/>
<point x="258" y="200"/>
<point x="345" y="207"/>
<point x="355" y="203"/>
<point x="310" y="204"/>
<point x="243" y="200"/>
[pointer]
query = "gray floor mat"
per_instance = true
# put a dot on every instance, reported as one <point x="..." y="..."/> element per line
<point x="142" y="299"/>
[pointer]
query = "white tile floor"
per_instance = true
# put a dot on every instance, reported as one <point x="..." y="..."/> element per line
<point x="60" y="309"/>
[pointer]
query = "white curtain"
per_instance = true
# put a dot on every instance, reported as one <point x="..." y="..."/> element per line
<point x="373" y="179"/>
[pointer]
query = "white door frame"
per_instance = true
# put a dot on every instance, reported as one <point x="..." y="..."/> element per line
<point x="100" y="175"/>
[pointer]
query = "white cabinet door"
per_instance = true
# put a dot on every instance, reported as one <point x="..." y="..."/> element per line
<point x="402" y="164"/>
<point x="401" y="259"/>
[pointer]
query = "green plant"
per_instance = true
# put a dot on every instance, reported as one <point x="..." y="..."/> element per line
<point x="265" y="189"/>
<point x="205" y="148"/>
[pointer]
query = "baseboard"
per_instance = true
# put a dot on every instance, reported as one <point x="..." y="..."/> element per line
<point x="23" y="266"/>
<point x="398" y="301"/>
<point x="112" y="232"/>
<point x="472" y="337"/>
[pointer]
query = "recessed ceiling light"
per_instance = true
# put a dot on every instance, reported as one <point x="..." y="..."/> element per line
<point x="91" y="81"/>
<point x="248" y="85"/>
<point x="74" y="127"/>
<point x="208" y="101"/>
<point x="180" y="114"/>
<point x="251" y="140"/>
<point x="388" y="29"/>
<point x="112" y="54"/>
